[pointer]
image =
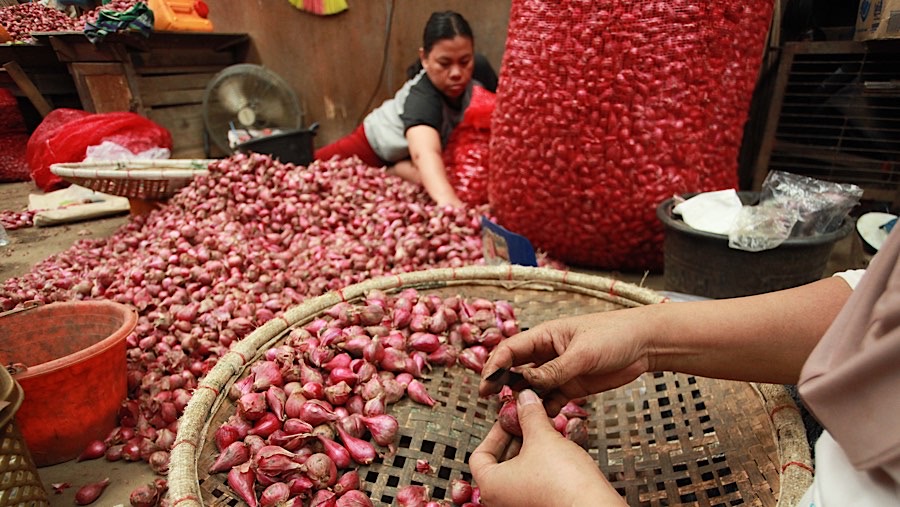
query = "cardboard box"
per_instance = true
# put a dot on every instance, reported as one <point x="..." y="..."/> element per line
<point x="878" y="19"/>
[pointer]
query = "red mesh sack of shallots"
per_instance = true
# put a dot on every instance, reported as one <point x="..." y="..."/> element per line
<point x="13" y="136"/>
<point x="467" y="154"/>
<point x="65" y="135"/>
<point x="606" y="108"/>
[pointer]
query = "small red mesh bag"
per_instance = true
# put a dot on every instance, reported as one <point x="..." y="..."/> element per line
<point x="606" y="108"/>
<point x="467" y="155"/>
<point x="13" y="136"/>
<point x="65" y="135"/>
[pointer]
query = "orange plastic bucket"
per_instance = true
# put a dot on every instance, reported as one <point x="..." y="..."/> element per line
<point x="75" y="379"/>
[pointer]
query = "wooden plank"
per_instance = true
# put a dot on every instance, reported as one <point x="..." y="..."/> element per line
<point x="186" y="125"/>
<point x="110" y="92"/>
<point x="196" y="81"/>
<point x="182" y="57"/>
<point x="102" y="87"/>
<point x="70" y="49"/>
<point x="177" y="69"/>
<point x="48" y="84"/>
<point x="41" y="104"/>
<point x="171" y="98"/>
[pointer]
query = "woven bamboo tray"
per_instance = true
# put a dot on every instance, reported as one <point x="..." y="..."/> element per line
<point x="137" y="179"/>
<point x="20" y="483"/>
<point x="665" y="439"/>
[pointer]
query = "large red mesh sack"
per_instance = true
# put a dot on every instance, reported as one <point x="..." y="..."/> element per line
<point x="13" y="136"/>
<point x="606" y="108"/>
<point x="467" y="154"/>
<point x="64" y="135"/>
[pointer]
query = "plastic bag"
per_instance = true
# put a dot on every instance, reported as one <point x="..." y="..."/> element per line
<point x="65" y="134"/>
<point x="762" y="227"/>
<point x="792" y="206"/>
<point x="108" y="150"/>
<point x="822" y="206"/>
<point x="467" y="154"/>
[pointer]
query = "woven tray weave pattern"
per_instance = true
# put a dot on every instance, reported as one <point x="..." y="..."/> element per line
<point x="20" y="484"/>
<point x="665" y="439"/>
<point x="137" y="179"/>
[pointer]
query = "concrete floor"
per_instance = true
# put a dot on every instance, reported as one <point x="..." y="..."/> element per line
<point x="31" y="245"/>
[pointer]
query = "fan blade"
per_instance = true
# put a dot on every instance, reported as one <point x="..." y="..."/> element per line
<point x="232" y="95"/>
<point x="275" y="111"/>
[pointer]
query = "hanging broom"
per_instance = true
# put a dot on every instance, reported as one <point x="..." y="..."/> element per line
<point x="321" y="7"/>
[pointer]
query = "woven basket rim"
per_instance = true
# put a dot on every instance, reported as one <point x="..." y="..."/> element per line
<point x="139" y="169"/>
<point x="184" y="488"/>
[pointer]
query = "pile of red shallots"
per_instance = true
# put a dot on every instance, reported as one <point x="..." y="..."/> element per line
<point x="314" y="407"/>
<point x="23" y="19"/>
<point x="229" y="252"/>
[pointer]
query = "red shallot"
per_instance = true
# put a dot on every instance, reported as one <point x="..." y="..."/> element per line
<point x="360" y="450"/>
<point x="413" y="496"/>
<point x="93" y="450"/>
<point x="419" y="393"/>
<point x="89" y="493"/>
<point x="460" y="491"/>
<point x="321" y="470"/>
<point x="242" y="480"/>
<point x="354" y="498"/>
<point x="274" y="495"/>
<point x="237" y="453"/>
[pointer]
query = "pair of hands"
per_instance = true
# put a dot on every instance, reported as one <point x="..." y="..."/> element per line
<point x="574" y="357"/>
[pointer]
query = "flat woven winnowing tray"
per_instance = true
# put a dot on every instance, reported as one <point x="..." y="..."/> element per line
<point x="665" y="439"/>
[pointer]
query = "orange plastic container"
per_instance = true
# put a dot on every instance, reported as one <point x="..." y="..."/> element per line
<point x="180" y="15"/>
<point x="76" y="374"/>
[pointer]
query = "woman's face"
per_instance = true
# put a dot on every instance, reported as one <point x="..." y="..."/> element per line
<point x="449" y="65"/>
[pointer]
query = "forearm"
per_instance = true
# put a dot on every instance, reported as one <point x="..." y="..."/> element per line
<point x="764" y="338"/>
<point x="434" y="177"/>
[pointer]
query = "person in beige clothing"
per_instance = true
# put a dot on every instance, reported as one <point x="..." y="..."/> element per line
<point x="842" y="346"/>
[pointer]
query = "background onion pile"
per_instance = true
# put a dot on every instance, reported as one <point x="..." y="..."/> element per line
<point x="23" y="19"/>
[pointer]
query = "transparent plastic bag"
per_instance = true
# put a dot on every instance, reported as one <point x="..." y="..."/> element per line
<point x="821" y="205"/>
<point x="762" y="227"/>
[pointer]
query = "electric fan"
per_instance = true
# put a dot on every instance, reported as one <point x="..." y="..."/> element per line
<point x="249" y="100"/>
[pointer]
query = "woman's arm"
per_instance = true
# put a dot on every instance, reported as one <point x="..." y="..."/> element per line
<point x="765" y="338"/>
<point x="762" y="338"/>
<point x="425" y="152"/>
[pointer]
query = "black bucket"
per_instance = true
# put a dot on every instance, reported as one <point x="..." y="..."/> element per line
<point x="292" y="146"/>
<point x="702" y="263"/>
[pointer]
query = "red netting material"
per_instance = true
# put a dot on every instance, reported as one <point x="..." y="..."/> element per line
<point x="607" y="108"/>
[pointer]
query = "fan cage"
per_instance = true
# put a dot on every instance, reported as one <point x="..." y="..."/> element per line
<point x="218" y="120"/>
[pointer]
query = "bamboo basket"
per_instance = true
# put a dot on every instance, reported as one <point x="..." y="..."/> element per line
<point x="137" y="179"/>
<point x="665" y="439"/>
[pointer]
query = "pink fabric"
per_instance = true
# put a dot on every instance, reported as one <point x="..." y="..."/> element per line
<point x="851" y="381"/>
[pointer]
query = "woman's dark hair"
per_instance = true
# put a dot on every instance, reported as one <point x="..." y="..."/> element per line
<point x="440" y="26"/>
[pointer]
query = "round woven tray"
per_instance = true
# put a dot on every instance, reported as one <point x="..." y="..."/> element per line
<point x="138" y="179"/>
<point x="665" y="439"/>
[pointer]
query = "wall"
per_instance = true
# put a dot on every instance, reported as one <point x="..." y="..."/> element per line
<point x="334" y="62"/>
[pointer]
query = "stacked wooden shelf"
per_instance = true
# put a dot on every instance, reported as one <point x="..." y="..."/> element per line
<point x="162" y="77"/>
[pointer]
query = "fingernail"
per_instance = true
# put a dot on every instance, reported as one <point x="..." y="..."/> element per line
<point x="527" y="397"/>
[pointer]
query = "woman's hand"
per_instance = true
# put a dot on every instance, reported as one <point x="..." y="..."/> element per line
<point x="574" y="357"/>
<point x="548" y="469"/>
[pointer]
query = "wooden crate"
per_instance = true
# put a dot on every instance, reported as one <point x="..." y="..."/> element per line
<point x="162" y="77"/>
<point x="835" y="115"/>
